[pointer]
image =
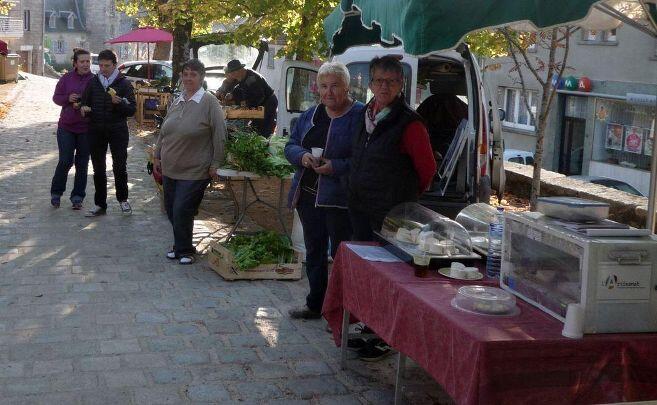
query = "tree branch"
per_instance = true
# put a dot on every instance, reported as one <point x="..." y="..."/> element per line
<point x="514" y="44"/>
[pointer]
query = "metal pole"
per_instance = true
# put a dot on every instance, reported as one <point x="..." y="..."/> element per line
<point x="650" y="218"/>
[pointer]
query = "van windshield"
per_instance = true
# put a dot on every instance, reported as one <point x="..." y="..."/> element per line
<point x="360" y="80"/>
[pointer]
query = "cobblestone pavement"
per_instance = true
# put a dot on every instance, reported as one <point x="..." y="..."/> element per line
<point x="92" y="312"/>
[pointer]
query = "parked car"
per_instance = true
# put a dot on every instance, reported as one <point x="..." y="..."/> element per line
<point x="608" y="182"/>
<point x="519" y="156"/>
<point x="138" y="70"/>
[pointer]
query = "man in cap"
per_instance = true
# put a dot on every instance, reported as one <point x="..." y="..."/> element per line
<point x="252" y="89"/>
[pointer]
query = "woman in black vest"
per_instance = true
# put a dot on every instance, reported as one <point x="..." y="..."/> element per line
<point x="392" y="161"/>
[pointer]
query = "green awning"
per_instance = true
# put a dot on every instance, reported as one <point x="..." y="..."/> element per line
<point x="423" y="26"/>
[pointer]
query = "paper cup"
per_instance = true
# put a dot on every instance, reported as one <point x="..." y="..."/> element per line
<point x="317" y="152"/>
<point x="574" y="325"/>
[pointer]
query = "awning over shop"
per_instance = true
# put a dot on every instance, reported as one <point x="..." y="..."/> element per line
<point x="423" y="26"/>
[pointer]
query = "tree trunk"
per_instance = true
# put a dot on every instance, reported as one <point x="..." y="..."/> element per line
<point x="538" y="154"/>
<point x="182" y="37"/>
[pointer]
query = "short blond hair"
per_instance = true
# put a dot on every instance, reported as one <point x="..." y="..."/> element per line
<point x="334" y="68"/>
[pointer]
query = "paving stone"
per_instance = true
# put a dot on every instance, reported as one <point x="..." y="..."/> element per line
<point x="99" y="363"/>
<point x="52" y="367"/>
<point x="165" y="344"/>
<point x="219" y="372"/>
<point x="171" y="376"/>
<point x="123" y="378"/>
<point x="254" y="390"/>
<point x="158" y="396"/>
<point x="137" y="331"/>
<point x="119" y="346"/>
<point x="73" y="381"/>
<point x="180" y="329"/>
<point x="208" y="392"/>
<point x="14" y="369"/>
<point x="242" y="355"/>
<point x="114" y="319"/>
<point x="190" y="357"/>
<point x="114" y="396"/>
<point x="308" y="387"/>
<point x="261" y="370"/>
<point x="223" y="326"/>
<point x="143" y="360"/>
<point x="151" y="317"/>
<point x="340" y="400"/>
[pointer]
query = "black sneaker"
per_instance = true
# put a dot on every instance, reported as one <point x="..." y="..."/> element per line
<point x="356" y="344"/>
<point x="375" y="350"/>
<point x="55" y="201"/>
<point x="304" y="313"/>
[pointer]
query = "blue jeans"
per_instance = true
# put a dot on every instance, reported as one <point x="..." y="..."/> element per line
<point x="181" y="200"/>
<point x="320" y="225"/>
<point x="73" y="148"/>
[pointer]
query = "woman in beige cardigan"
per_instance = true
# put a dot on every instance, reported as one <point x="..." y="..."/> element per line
<point x="188" y="152"/>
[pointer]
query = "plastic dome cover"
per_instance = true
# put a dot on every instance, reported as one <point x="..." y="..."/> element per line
<point x="419" y="230"/>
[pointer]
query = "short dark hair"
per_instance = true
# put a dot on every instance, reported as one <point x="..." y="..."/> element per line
<point x="79" y="51"/>
<point x="388" y="63"/>
<point x="107" y="54"/>
<point x="195" y="65"/>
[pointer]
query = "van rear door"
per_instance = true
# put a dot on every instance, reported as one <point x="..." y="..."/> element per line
<point x="297" y="92"/>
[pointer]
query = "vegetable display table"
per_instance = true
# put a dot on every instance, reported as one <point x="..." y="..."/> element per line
<point x="243" y="206"/>
<point x="481" y="359"/>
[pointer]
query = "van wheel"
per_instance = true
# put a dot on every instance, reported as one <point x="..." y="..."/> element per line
<point x="484" y="189"/>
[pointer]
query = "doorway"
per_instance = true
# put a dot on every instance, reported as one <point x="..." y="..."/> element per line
<point x="572" y="146"/>
<point x="25" y="61"/>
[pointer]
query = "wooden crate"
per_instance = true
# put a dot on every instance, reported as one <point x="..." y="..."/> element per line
<point x="244" y="113"/>
<point x="221" y="261"/>
<point x="147" y="115"/>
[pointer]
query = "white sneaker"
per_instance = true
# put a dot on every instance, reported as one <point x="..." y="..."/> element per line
<point x="125" y="207"/>
<point x="95" y="212"/>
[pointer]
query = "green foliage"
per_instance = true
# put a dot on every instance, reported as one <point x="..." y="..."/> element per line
<point x="487" y="43"/>
<point x="262" y="248"/>
<point x="297" y="22"/>
<point x="250" y="152"/>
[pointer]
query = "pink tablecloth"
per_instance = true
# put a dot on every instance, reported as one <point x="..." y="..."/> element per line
<point x="479" y="359"/>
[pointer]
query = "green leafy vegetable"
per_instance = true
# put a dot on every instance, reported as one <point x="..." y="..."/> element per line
<point x="250" y="152"/>
<point x="262" y="248"/>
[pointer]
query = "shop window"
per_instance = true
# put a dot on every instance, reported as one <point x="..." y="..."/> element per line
<point x="515" y="103"/>
<point x="52" y="20"/>
<point x="60" y="46"/>
<point x="623" y="134"/>
<point x="70" y="22"/>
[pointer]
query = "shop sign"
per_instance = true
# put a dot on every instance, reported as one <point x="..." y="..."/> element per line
<point x="584" y="84"/>
<point x="641" y="99"/>
<point x="572" y="83"/>
<point x="633" y="139"/>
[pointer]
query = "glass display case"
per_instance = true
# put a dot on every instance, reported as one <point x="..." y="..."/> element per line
<point x="417" y="231"/>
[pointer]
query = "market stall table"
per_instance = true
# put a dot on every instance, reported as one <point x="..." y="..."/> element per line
<point x="243" y="206"/>
<point x="485" y="359"/>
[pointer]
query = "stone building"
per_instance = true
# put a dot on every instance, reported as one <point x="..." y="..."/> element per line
<point x="22" y="29"/>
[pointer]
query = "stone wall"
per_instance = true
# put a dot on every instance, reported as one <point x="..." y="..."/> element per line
<point x="624" y="207"/>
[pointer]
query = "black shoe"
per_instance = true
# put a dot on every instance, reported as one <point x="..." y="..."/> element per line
<point x="304" y="313"/>
<point x="356" y="344"/>
<point x="55" y="201"/>
<point x="375" y="350"/>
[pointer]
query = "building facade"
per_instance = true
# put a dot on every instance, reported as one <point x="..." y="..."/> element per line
<point x="85" y="24"/>
<point x="602" y="122"/>
<point x="22" y="30"/>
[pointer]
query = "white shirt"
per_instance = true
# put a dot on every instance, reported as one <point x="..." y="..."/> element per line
<point x="106" y="81"/>
<point x="196" y="97"/>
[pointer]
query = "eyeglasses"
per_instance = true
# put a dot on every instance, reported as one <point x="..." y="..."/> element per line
<point x="388" y="82"/>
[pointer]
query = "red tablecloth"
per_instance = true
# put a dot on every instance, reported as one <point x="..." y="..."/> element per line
<point x="479" y="359"/>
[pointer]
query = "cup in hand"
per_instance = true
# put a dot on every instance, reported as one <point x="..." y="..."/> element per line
<point x="574" y="325"/>
<point x="317" y="152"/>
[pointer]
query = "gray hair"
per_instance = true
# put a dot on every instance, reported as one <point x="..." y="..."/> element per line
<point x="196" y="66"/>
<point x="334" y="68"/>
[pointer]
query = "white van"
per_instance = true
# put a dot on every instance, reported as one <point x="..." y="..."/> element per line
<point x="445" y="88"/>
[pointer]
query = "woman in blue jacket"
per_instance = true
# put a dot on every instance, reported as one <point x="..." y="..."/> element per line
<point x="318" y="190"/>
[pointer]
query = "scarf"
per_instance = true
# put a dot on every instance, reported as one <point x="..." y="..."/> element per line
<point x="372" y="119"/>
<point x="109" y="80"/>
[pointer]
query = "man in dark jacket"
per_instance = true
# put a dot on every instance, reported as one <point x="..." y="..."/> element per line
<point x="251" y="88"/>
<point x="109" y="100"/>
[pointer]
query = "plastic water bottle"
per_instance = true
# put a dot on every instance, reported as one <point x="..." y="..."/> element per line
<point x="495" y="235"/>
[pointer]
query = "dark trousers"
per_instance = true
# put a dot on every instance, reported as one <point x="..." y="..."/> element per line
<point x="364" y="223"/>
<point x="117" y="138"/>
<point x="73" y="148"/>
<point x="266" y="126"/>
<point x="181" y="201"/>
<point x="319" y="226"/>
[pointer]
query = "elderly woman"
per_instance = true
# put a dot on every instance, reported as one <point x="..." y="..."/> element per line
<point x="188" y="153"/>
<point x="318" y="192"/>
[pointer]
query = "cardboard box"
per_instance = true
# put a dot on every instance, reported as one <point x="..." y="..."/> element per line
<point x="221" y="261"/>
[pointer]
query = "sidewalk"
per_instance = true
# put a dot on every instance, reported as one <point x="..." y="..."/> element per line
<point x="92" y="312"/>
